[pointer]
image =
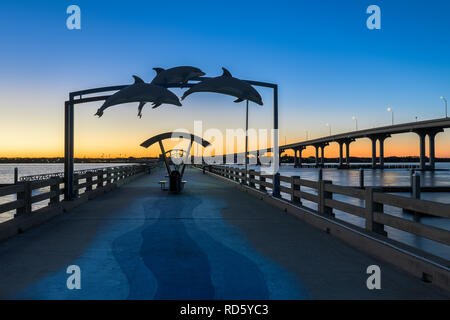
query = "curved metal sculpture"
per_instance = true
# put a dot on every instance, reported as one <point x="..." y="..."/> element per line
<point x="140" y="92"/>
<point x="227" y="84"/>
<point x="175" y="175"/>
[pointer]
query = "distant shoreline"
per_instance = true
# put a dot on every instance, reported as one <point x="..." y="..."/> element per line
<point x="288" y="159"/>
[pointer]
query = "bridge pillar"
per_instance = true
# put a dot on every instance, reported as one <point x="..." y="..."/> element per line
<point x="381" y="139"/>
<point x="422" y="150"/>
<point x="374" y="152"/>
<point x="432" y="148"/>
<point x="295" y="158"/>
<point x="322" y="155"/>
<point x="347" y="149"/>
<point x="341" y="152"/>
<point x="300" y="160"/>
<point x="317" y="155"/>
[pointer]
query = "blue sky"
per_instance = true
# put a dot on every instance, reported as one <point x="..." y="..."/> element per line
<point x="328" y="65"/>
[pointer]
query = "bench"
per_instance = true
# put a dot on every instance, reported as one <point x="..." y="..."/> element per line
<point x="162" y="183"/>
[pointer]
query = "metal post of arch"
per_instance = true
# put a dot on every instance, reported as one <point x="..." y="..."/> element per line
<point x="76" y="97"/>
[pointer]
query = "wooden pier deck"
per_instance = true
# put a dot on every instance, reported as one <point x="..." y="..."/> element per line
<point x="213" y="241"/>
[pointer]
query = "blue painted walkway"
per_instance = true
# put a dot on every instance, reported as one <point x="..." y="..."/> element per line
<point x="210" y="242"/>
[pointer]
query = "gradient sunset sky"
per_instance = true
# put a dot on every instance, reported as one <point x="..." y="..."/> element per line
<point x="328" y="65"/>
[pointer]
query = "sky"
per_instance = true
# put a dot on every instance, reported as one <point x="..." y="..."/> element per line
<point x="328" y="65"/>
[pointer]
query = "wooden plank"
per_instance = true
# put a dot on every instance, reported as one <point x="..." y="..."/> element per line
<point x="347" y="191"/>
<point x="307" y="196"/>
<point x="285" y="179"/>
<point x="419" y="229"/>
<point x="42" y="196"/>
<point x="308" y="183"/>
<point x="285" y="189"/>
<point x="11" y="206"/>
<point x="6" y="191"/>
<point x="423" y="206"/>
<point x="346" y="207"/>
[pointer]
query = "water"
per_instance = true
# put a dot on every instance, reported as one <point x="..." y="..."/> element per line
<point x="391" y="177"/>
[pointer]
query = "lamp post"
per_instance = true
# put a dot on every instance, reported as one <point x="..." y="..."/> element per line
<point x="356" y="123"/>
<point x="246" y="140"/>
<point x="389" y="109"/>
<point x="329" y="126"/>
<point x="445" y="101"/>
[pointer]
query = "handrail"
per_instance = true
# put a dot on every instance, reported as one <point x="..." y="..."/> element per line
<point x="371" y="209"/>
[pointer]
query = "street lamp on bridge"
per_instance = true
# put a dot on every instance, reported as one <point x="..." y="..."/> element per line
<point x="329" y="126"/>
<point x="445" y="101"/>
<point x="389" y="109"/>
<point x="356" y="123"/>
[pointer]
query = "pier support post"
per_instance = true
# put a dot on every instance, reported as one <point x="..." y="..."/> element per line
<point x="16" y="175"/>
<point x="415" y="188"/>
<point x="251" y="175"/>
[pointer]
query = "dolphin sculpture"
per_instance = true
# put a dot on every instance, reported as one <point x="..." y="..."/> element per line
<point x="140" y="92"/>
<point x="176" y="75"/>
<point x="226" y="84"/>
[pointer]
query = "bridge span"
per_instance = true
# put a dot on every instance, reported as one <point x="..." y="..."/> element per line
<point x="423" y="129"/>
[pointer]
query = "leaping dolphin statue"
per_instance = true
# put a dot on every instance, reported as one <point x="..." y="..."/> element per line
<point x="140" y="92"/>
<point x="176" y="75"/>
<point x="226" y="84"/>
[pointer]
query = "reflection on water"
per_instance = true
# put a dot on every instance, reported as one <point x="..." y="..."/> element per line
<point x="391" y="177"/>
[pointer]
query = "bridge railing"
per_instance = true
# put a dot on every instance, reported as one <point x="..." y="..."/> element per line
<point x="35" y="193"/>
<point x="370" y="205"/>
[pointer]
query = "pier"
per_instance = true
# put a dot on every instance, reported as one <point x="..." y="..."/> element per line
<point x="213" y="241"/>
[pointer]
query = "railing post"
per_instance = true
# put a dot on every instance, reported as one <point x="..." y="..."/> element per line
<point x="108" y="176"/>
<point x="76" y="183"/>
<point x="89" y="182"/>
<point x="276" y="185"/>
<point x="415" y="188"/>
<point x="251" y="175"/>
<point x="25" y="196"/>
<point x="361" y="178"/>
<point x="262" y="187"/>
<point x="323" y="196"/>
<point x="371" y="207"/>
<point x="99" y="179"/>
<point x="295" y="187"/>
<point x="320" y="174"/>
<point x="54" y="188"/>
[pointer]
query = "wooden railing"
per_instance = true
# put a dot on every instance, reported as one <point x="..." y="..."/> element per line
<point x="371" y="199"/>
<point x="24" y="194"/>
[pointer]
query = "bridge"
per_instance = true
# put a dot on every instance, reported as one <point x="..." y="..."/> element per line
<point x="423" y="129"/>
<point x="224" y="237"/>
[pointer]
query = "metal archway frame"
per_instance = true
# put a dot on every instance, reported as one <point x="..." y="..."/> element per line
<point x="69" y="127"/>
<point x="168" y="135"/>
